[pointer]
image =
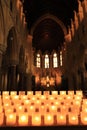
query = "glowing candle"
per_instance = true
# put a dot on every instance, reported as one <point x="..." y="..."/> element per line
<point x="11" y="119"/>
<point x="79" y="93"/>
<point x="9" y="110"/>
<point x="61" y="119"/>
<point x="71" y="93"/>
<point x="53" y="109"/>
<point x="36" y="119"/>
<point x="4" y="93"/>
<point x="20" y="109"/>
<point x="83" y="118"/>
<point x="13" y="93"/>
<point x="48" y="119"/>
<point x="54" y="92"/>
<point x="30" y="109"/>
<point x="1" y="119"/>
<point x="23" y="119"/>
<point x="73" y="119"/>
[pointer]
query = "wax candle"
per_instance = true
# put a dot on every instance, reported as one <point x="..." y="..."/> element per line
<point x="23" y="119"/>
<point x="11" y="119"/>
<point x="73" y="119"/>
<point x="61" y="119"/>
<point x="83" y="118"/>
<point x="48" y="119"/>
<point x="54" y="92"/>
<point x="36" y="119"/>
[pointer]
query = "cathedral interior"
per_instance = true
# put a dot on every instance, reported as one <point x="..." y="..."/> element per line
<point x="43" y="47"/>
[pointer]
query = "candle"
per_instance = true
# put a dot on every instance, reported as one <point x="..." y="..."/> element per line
<point x="9" y="110"/>
<point x="11" y="119"/>
<point x="83" y="118"/>
<point x="61" y="119"/>
<point x="4" y="93"/>
<point x="20" y="109"/>
<point x="36" y="119"/>
<point x="79" y="93"/>
<point x="48" y="119"/>
<point x="53" y="109"/>
<point x="23" y="119"/>
<point x="13" y="93"/>
<point x="73" y="119"/>
<point x="1" y="118"/>
<point x="54" y="92"/>
<point x="71" y="93"/>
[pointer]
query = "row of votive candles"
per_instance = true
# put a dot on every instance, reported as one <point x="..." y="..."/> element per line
<point x="36" y="110"/>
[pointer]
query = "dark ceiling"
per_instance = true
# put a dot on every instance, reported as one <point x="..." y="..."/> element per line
<point x="48" y="35"/>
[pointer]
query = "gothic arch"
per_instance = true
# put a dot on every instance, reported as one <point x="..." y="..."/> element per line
<point x="50" y="16"/>
<point x="12" y="46"/>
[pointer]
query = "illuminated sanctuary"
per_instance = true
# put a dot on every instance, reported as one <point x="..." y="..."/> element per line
<point x="43" y="63"/>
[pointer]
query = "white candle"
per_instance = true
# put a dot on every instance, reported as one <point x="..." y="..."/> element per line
<point x="48" y="119"/>
<point x="23" y="119"/>
<point x="83" y="118"/>
<point x="36" y="119"/>
<point x="73" y="119"/>
<point x="11" y="119"/>
<point x="61" y="119"/>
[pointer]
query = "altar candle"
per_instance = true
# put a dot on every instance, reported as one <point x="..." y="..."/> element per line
<point x="73" y="119"/>
<point x="48" y="119"/>
<point x="61" y="119"/>
<point x="11" y="119"/>
<point x="1" y="118"/>
<point x="36" y="119"/>
<point x="23" y="119"/>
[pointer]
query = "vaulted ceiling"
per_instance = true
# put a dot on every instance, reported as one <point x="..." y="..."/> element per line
<point x="48" y="34"/>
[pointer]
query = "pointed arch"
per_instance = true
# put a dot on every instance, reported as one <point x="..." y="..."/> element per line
<point x="49" y="16"/>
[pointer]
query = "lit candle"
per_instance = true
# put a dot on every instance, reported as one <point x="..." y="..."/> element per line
<point x="73" y="119"/>
<point x="31" y="109"/>
<point x="36" y="119"/>
<point x="9" y="110"/>
<point x="1" y="119"/>
<point x="20" y="109"/>
<point x="83" y="118"/>
<point x="53" y="109"/>
<point x="23" y="119"/>
<point x="61" y="119"/>
<point x="48" y="119"/>
<point x="11" y="119"/>
<point x="54" y="92"/>
<point x="4" y="93"/>
<point x="79" y="93"/>
<point x="71" y="93"/>
<point x="13" y="93"/>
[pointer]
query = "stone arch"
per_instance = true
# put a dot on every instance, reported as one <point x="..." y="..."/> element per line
<point x="50" y="16"/>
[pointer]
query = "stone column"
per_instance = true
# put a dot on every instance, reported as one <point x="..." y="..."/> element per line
<point x="2" y="50"/>
<point x="12" y="82"/>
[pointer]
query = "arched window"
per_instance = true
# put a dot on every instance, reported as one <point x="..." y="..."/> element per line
<point x="38" y="61"/>
<point x="61" y="59"/>
<point x="46" y="61"/>
<point x="55" y="60"/>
